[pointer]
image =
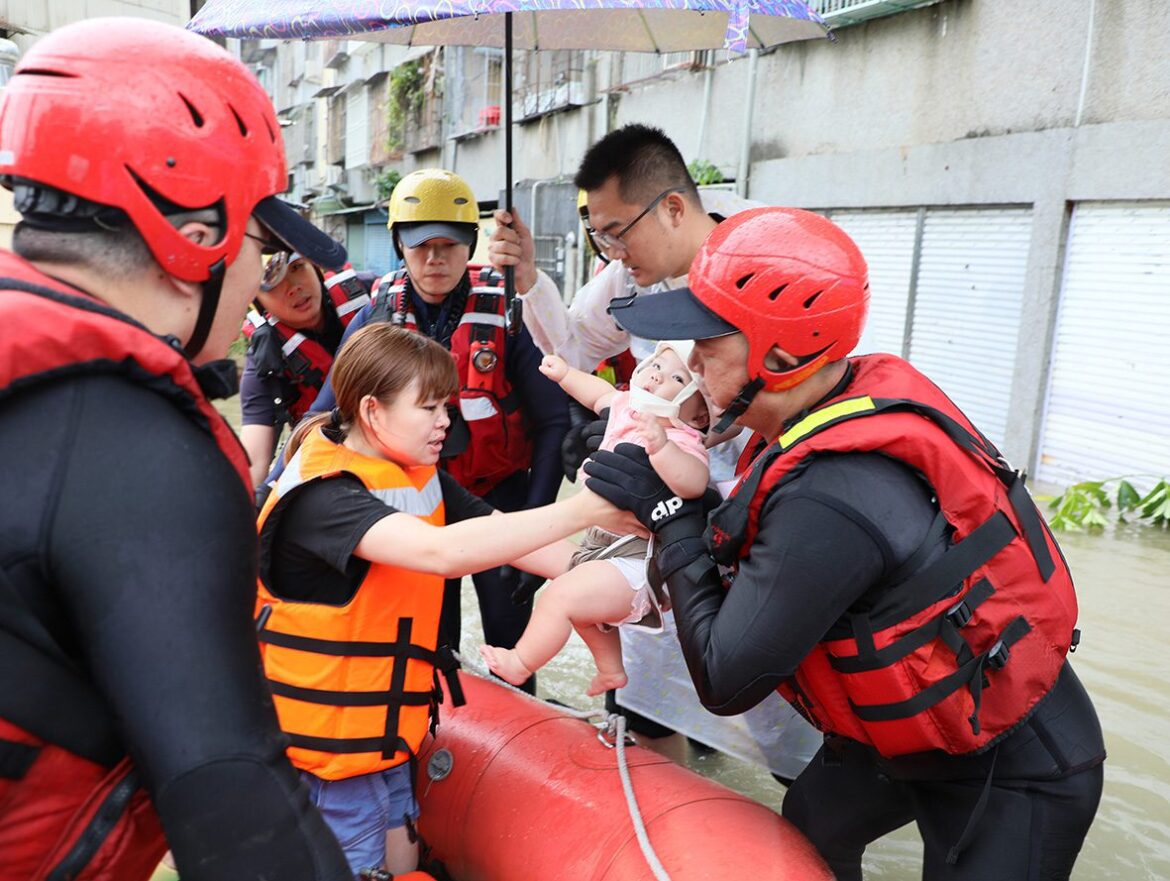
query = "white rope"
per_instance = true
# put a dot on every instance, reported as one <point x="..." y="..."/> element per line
<point x="613" y="722"/>
<point x="632" y="803"/>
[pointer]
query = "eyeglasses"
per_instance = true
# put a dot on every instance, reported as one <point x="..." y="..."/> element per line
<point x="267" y="246"/>
<point x="612" y="241"/>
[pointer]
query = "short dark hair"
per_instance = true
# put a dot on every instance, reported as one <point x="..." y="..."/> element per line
<point x="643" y="158"/>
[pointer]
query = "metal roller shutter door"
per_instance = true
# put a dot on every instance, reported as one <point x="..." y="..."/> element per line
<point x="379" y="254"/>
<point x="1108" y="408"/>
<point x="967" y="307"/>
<point x="886" y="238"/>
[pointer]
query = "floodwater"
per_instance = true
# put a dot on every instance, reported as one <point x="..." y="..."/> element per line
<point x="1123" y="585"/>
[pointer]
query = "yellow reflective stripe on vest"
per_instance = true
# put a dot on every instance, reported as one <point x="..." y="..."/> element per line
<point x="817" y="418"/>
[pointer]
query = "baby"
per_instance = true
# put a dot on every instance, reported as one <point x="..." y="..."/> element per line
<point x="606" y="585"/>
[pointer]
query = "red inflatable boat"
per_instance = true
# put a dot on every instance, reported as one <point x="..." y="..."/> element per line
<point x="514" y="789"/>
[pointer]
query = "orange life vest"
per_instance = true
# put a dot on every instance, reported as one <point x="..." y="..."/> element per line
<point x="355" y="686"/>
<point x="954" y="656"/>
<point x="303" y="361"/>
<point x="70" y="801"/>
<point x="499" y="445"/>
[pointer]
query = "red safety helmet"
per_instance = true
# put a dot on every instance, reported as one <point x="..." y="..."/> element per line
<point x="115" y="111"/>
<point x="784" y="277"/>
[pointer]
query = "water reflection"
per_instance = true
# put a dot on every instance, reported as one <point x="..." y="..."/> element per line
<point x="1123" y="583"/>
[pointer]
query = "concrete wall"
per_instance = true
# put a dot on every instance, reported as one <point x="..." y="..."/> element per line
<point x="970" y="102"/>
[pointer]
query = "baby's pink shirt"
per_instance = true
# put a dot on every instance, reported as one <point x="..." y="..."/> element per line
<point x="623" y="429"/>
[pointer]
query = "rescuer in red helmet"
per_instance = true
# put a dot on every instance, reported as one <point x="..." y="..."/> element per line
<point x="890" y="575"/>
<point x="144" y="161"/>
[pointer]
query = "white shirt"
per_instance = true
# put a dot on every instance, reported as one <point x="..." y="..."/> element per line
<point x="584" y="334"/>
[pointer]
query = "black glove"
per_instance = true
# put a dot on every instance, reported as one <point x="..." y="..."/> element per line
<point x="626" y="478"/>
<point x="583" y="437"/>
<point x="527" y="584"/>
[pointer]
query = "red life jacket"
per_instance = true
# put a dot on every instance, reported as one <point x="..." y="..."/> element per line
<point x="305" y="361"/>
<point x="499" y="445"/>
<point x="955" y="655"/>
<point x="70" y="802"/>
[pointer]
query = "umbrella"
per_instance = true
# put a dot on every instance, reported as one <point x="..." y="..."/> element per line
<point x="616" y="25"/>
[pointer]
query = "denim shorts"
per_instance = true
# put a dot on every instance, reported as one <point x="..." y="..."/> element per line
<point x="360" y="810"/>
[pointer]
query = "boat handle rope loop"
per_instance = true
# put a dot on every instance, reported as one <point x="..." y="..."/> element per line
<point x="611" y="726"/>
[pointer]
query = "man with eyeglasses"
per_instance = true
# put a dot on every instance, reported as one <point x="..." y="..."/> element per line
<point x="293" y="332"/>
<point x="647" y="217"/>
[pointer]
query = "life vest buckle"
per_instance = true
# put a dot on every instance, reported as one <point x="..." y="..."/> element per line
<point x="998" y="655"/>
<point x="959" y="614"/>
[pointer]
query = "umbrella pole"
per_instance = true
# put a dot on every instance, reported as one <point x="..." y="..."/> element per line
<point x="512" y="304"/>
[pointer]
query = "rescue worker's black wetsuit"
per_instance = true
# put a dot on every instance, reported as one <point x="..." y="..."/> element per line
<point x="827" y="542"/>
<point x="127" y="532"/>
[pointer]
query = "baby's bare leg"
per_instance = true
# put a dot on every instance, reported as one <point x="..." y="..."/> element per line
<point x="606" y="648"/>
<point x="590" y="594"/>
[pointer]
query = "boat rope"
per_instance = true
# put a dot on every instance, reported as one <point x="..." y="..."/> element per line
<point x="632" y="803"/>
<point x="615" y="725"/>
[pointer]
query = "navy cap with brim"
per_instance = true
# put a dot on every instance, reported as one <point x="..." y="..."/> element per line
<point x="414" y="234"/>
<point x="670" y="315"/>
<point x="299" y="234"/>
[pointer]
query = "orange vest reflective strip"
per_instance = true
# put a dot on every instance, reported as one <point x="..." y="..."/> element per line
<point x="354" y="685"/>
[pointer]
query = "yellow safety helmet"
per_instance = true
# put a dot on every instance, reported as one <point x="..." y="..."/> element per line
<point x="433" y="203"/>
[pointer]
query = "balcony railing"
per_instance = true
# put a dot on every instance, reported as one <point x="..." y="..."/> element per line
<point x="845" y="12"/>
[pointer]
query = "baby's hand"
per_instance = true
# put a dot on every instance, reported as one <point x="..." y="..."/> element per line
<point x="651" y="432"/>
<point x="554" y="367"/>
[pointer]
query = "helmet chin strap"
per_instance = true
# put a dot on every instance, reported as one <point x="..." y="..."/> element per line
<point x="737" y="407"/>
<point x="207" y="309"/>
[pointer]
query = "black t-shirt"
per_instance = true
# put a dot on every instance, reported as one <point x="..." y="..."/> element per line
<point x="132" y="539"/>
<point x="312" y="550"/>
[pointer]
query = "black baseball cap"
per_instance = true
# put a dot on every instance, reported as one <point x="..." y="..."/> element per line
<point x="299" y="234"/>
<point x="414" y="234"/>
<point x="670" y="315"/>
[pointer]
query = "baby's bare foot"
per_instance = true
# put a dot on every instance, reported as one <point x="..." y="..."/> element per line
<point x="603" y="682"/>
<point x="505" y="663"/>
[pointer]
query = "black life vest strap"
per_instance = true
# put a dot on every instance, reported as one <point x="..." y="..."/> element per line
<point x="1034" y="528"/>
<point x="930" y="584"/>
<point x="969" y="674"/>
<point x="945" y="626"/>
<point x="349" y="745"/>
<point x="352" y="698"/>
<point x="342" y="648"/>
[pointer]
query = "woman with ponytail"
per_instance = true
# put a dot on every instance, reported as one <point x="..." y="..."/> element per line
<point x="356" y="541"/>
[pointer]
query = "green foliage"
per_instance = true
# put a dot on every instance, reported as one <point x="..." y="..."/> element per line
<point x="385" y="183"/>
<point x="405" y="101"/>
<point x="1086" y="505"/>
<point x="704" y="172"/>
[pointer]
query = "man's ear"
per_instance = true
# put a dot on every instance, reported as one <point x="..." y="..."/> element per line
<point x="676" y="207"/>
<point x="198" y="233"/>
<point x="778" y="360"/>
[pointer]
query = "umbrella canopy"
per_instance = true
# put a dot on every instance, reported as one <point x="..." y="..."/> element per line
<point x="613" y="25"/>
<point x="616" y="25"/>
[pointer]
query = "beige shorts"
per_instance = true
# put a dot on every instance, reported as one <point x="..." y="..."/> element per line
<point x="628" y="555"/>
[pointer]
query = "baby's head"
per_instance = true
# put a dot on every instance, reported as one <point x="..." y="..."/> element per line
<point x="665" y="375"/>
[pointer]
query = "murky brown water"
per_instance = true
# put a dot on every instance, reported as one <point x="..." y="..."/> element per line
<point x="1123" y="580"/>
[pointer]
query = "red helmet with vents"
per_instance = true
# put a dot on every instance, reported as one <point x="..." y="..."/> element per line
<point x="132" y="113"/>
<point x="788" y="278"/>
